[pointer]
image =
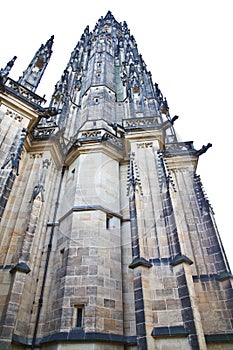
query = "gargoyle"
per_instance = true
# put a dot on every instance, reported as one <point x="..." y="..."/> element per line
<point x="203" y="149"/>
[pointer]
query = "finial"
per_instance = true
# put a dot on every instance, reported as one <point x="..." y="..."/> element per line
<point x="109" y="15"/>
<point x="4" y="72"/>
<point x="165" y="103"/>
<point x="86" y="30"/>
<point x="49" y="42"/>
<point x="134" y="180"/>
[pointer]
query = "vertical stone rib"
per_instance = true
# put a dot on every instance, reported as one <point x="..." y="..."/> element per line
<point x="133" y="210"/>
<point x="11" y="312"/>
<point x="37" y="200"/>
<point x="168" y="212"/>
<point x="138" y="262"/>
<point x="9" y="170"/>
<point x="7" y="178"/>
<point x="139" y="311"/>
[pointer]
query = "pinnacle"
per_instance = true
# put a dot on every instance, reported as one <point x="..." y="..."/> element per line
<point x="50" y="41"/>
<point x="108" y="18"/>
<point x="109" y="15"/>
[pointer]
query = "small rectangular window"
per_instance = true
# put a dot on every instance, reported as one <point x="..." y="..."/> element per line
<point x="108" y="221"/>
<point x="79" y="311"/>
<point x="79" y="317"/>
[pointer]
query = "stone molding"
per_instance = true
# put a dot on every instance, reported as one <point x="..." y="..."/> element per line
<point x="140" y="262"/>
<point x="179" y="259"/>
<point x="88" y="208"/>
<point x="21" y="267"/>
<point x="169" y="331"/>
<point x="79" y="335"/>
<point x="219" y="338"/>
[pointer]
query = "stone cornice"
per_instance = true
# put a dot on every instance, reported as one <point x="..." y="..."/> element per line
<point x="78" y="335"/>
<point x="11" y="104"/>
<point x="81" y="208"/>
<point x="93" y="146"/>
<point x="51" y="145"/>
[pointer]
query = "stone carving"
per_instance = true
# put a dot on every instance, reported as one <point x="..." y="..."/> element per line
<point x="39" y="188"/>
<point x="36" y="155"/>
<point x="14" y="115"/>
<point x="15" y="156"/>
<point x="20" y="90"/>
<point x="144" y="144"/>
<point x="47" y="112"/>
<point x="180" y="147"/>
<point x="137" y="122"/>
<point x="203" y="149"/>
<point x="134" y="180"/>
<point x="14" y="159"/>
<point x="44" y="132"/>
<point x="91" y="134"/>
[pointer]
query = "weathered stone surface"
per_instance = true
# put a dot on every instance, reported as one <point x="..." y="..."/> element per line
<point x="67" y="233"/>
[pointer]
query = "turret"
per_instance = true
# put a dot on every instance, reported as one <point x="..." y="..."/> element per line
<point x="32" y="75"/>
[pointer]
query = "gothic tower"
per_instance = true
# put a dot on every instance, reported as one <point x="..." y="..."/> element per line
<point x="108" y="240"/>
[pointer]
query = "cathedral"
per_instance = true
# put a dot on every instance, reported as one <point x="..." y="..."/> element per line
<point x="107" y="239"/>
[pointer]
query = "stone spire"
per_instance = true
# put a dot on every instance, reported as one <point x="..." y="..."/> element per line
<point x="106" y="77"/>
<point x="5" y="71"/>
<point x="32" y="75"/>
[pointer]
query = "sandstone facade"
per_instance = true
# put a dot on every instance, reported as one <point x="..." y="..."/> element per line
<point x="107" y="240"/>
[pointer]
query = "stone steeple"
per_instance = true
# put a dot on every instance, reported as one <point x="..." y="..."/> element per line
<point x="107" y="239"/>
<point x="106" y="78"/>
<point x="32" y="75"/>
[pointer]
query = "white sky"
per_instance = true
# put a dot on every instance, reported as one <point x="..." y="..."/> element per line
<point x="187" y="45"/>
